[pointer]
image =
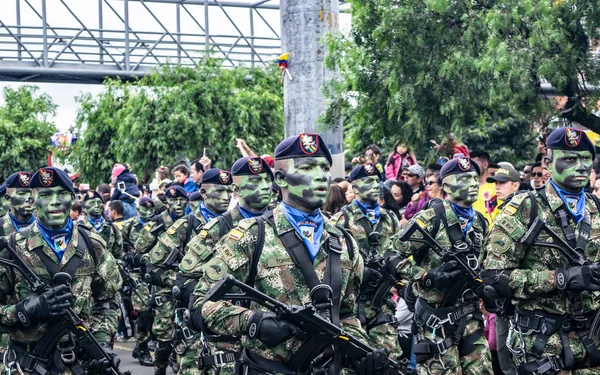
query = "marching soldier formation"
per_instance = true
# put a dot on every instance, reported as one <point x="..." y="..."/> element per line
<point x="264" y="275"/>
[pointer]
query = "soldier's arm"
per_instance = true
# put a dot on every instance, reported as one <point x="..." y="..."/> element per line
<point x="117" y="246"/>
<point x="8" y="314"/>
<point x="146" y="240"/>
<point x="504" y="252"/>
<point x="408" y="269"/>
<point x="199" y="250"/>
<point x="168" y="241"/>
<point x="232" y="255"/>
<point x="105" y="285"/>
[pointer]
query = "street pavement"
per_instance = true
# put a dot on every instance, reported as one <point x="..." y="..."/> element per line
<point x="123" y="350"/>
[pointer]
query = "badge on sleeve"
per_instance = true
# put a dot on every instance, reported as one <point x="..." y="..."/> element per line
<point x="500" y="243"/>
<point x="216" y="268"/>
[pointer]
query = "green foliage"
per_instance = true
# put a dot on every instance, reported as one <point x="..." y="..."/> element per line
<point x="420" y="69"/>
<point x="177" y="112"/>
<point x="25" y="129"/>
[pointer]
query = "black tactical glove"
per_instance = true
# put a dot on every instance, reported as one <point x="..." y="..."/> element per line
<point x="102" y="366"/>
<point x="133" y="259"/>
<point x="441" y="277"/>
<point x="269" y="329"/>
<point x="371" y="280"/>
<point x="392" y="264"/>
<point x="577" y="279"/>
<point x="410" y="298"/>
<point x="496" y="284"/>
<point x="49" y="304"/>
<point x="374" y="363"/>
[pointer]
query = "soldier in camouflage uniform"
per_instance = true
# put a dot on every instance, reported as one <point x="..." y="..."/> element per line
<point x="302" y="171"/>
<point x="372" y="227"/>
<point x="20" y="198"/>
<point x="554" y="300"/>
<point x="93" y="219"/>
<point x="133" y="261"/>
<point x="252" y="178"/>
<point x="4" y="205"/>
<point x="54" y="241"/>
<point x="439" y="288"/>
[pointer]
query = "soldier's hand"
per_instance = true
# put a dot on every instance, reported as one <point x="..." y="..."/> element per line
<point x="441" y="277"/>
<point x="577" y="279"/>
<point x="496" y="283"/>
<point x="102" y="366"/>
<point x="374" y="363"/>
<point x="269" y="329"/>
<point x="49" y="304"/>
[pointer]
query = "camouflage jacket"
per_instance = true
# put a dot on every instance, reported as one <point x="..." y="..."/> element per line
<point x="533" y="268"/>
<point x="7" y="225"/>
<point x="277" y="276"/>
<point x="110" y="233"/>
<point x="173" y="238"/>
<point x="201" y="248"/>
<point x="146" y="240"/>
<point x="96" y="282"/>
<point x="423" y="259"/>
<point x="130" y="230"/>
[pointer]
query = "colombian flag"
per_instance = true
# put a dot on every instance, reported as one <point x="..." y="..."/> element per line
<point x="282" y="61"/>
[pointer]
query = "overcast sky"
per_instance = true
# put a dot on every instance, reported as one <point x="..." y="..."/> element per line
<point x="140" y="20"/>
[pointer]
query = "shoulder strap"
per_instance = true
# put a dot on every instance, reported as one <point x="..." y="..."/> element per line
<point x="438" y="207"/>
<point x="1" y="226"/>
<point x="534" y="207"/>
<point x="260" y="242"/>
<point x="225" y="223"/>
<point x="348" y="238"/>
<point x="346" y="218"/>
<point x="189" y="229"/>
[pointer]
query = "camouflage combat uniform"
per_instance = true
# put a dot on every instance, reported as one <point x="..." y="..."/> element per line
<point x="278" y="277"/>
<point x="384" y="334"/>
<point x="198" y="252"/>
<point x="478" y="360"/>
<point x="146" y="240"/>
<point x="110" y="234"/>
<point x="162" y="327"/>
<point x="95" y="284"/>
<point x="532" y="280"/>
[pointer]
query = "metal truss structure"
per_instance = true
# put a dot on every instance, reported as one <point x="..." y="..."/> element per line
<point x="85" y="41"/>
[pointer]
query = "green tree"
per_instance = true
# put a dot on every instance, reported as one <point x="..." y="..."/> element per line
<point x="419" y="69"/>
<point x="25" y="129"/>
<point x="178" y="112"/>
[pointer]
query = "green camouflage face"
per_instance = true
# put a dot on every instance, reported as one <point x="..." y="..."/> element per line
<point x="21" y="203"/>
<point x="306" y="183"/>
<point x="462" y="188"/>
<point x="367" y="189"/>
<point x="145" y="212"/>
<point x="93" y="207"/>
<point x="571" y="169"/>
<point x="53" y="206"/>
<point x="273" y="202"/>
<point x="254" y="191"/>
<point x="194" y="205"/>
<point x="4" y="204"/>
<point x="217" y="197"/>
<point x="177" y="206"/>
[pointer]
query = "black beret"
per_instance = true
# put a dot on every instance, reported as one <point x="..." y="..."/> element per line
<point x="458" y="165"/>
<point x="51" y="177"/>
<point x="570" y="139"/>
<point x="146" y="202"/>
<point x="363" y="171"/>
<point x="18" y="180"/>
<point x="175" y="191"/>
<point x="92" y="194"/>
<point x="195" y="196"/>
<point x="216" y="176"/>
<point x="248" y="166"/>
<point x="2" y="190"/>
<point x="302" y="146"/>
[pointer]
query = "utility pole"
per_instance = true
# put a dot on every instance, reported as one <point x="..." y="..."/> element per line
<point x="304" y="23"/>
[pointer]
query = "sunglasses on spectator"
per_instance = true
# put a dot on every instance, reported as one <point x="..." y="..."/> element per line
<point x="410" y="175"/>
<point x="432" y="182"/>
<point x="537" y="174"/>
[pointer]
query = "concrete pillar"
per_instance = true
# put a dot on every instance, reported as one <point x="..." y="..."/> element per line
<point x="303" y="25"/>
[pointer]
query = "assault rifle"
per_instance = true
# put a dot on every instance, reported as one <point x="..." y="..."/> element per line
<point x="468" y="264"/>
<point x="320" y="331"/>
<point x="384" y="283"/>
<point x="71" y="321"/>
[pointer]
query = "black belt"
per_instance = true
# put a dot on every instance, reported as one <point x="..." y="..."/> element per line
<point x="443" y="317"/>
<point x="260" y="364"/>
<point x="218" y="359"/>
<point x="36" y="365"/>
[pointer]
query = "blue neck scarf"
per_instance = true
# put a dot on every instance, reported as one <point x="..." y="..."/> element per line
<point x="58" y="239"/>
<point x="371" y="212"/>
<point x="18" y="224"/>
<point x="208" y="214"/>
<point x="141" y="221"/>
<point x="96" y="223"/>
<point x="248" y="214"/>
<point x="308" y="226"/>
<point x="575" y="202"/>
<point x="465" y="216"/>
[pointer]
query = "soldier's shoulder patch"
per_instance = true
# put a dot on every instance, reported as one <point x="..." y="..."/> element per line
<point x="235" y="235"/>
<point x="511" y="226"/>
<point x="426" y="215"/>
<point x="202" y="234"/>
<point x="500" y="242"/>
<point x="246" y="224"/>
<point x="510" y="210"/>
<point x="148" y="227"/>
<point x="208" y="226"/>
<point x="171" y="230"/>
<point x="189" y="261"/>
<point x="216" y="268"/>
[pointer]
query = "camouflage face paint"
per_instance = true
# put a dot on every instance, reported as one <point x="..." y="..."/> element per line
<point x="177" y="206"/>
<point x="571" y="169"/>
<point x="93" y="207"/>
<point x="194" y="205"/>
<point x="53" y="206"/>
<point x="306" y="183"/>
<point x="145" y="213"/>
<point x="217" y="197"/>
<point x="367" y="189"/>
<point x="462" y="188"/>
<point x="254" y="191"/>
<point x="21" y="203"/>
<point x="4" y="204"/>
